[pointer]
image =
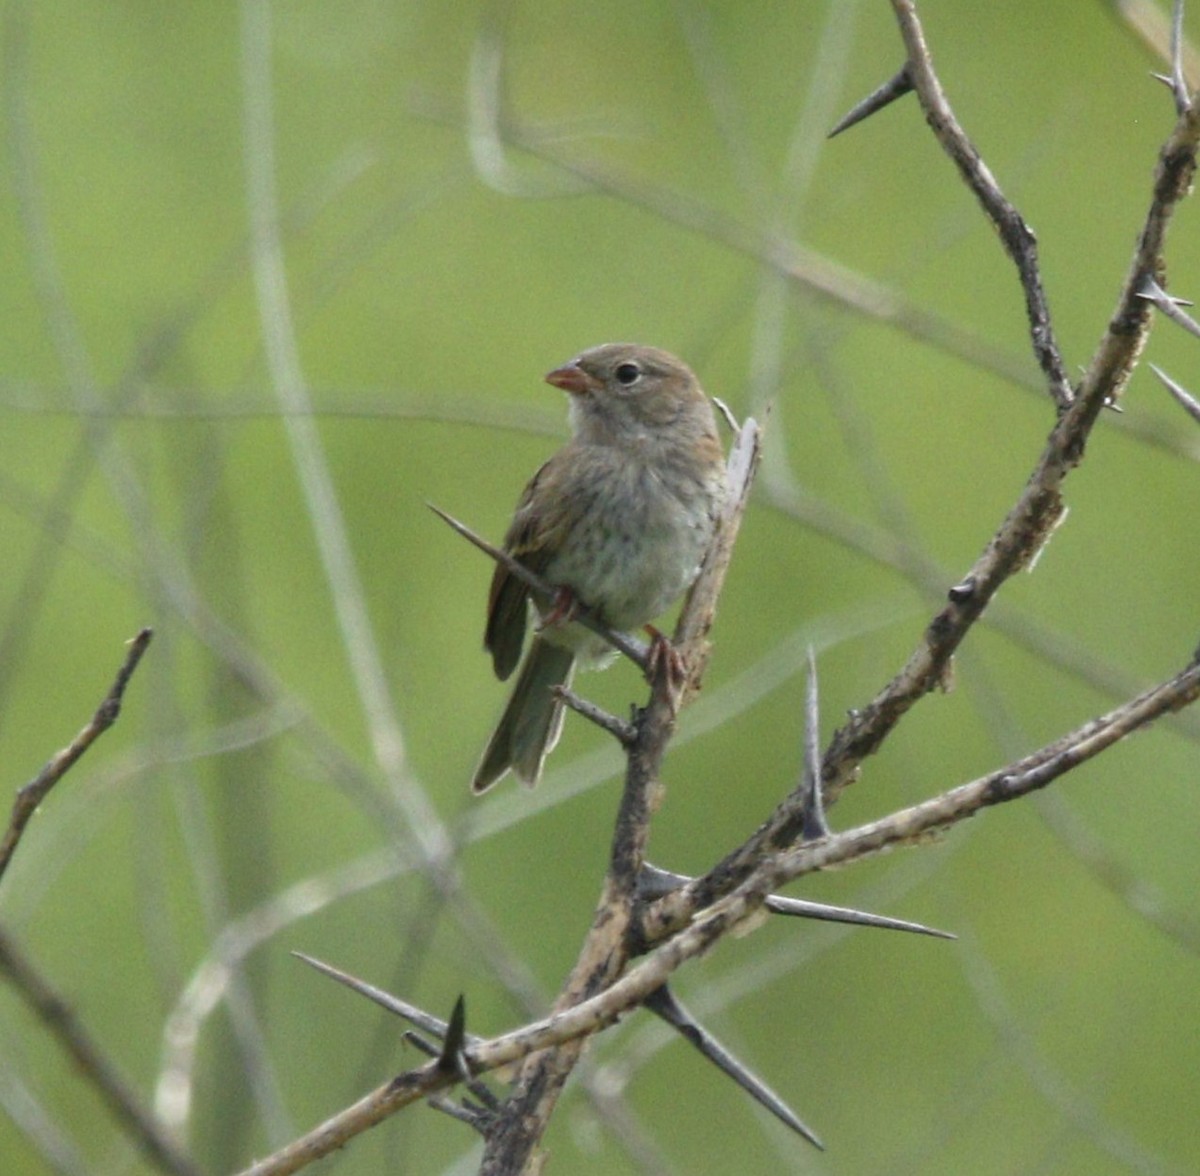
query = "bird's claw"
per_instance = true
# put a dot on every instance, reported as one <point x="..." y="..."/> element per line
<point x="668" y="660"/>
<point x="564" y="609"/>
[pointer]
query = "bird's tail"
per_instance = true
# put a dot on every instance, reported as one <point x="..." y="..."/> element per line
<point x="532" y="720"/>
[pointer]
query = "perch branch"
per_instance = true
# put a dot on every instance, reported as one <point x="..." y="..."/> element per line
<point x="608" y="946"/>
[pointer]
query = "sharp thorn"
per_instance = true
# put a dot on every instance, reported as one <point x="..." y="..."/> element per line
<point x="1172" y="307"/>
<point x="418" y="1017"/>
<point x="451" y="1059"/>
<point x="892" y="89"/>
<point x="1189" y="403"/>
<point x="1153" y="292"/>
<point x="663" y="1004"/>
<point x="653" y="882"/>
<point x="801" y="908"/>
<point x="815" y="826"/>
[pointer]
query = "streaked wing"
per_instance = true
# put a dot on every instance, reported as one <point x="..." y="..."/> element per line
<point x="526" y="540"/>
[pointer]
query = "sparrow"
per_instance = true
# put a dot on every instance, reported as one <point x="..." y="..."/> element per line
<point x="617" y="521"/>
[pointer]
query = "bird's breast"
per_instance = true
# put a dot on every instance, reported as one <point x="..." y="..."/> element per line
<point x="638" y="544"/>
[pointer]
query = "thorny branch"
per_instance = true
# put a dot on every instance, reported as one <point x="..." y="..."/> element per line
<point x="734" y="909"/>
<point x="520" y="1122"/>
<point x="1019" y="240"/>
<point x="671" y="928"/>
<point x="606" y="951"/>
<point x="753" y="864"/>
<point x="1040" y="508"/>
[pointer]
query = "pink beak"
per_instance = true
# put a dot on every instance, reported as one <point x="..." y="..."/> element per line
<point x="571" y="378"/>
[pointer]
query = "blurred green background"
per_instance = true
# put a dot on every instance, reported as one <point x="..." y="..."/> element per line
<point x="278" y="275"/>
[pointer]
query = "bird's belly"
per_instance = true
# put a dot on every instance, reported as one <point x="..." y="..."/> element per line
<point x="632" y="565"/>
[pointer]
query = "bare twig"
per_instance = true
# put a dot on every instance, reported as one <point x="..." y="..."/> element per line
<point x="51" y="1009"/>
<point x="620" y="730"/>
<point x="32" y="794"/>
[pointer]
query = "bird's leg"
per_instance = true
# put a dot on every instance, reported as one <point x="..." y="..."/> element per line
<point x="564" y="609"/>
<point x="664" y="656"/>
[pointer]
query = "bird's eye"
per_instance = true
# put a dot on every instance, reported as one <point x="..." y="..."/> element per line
<point x="627" y="373"/>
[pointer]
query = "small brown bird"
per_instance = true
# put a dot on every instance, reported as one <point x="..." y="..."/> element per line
<point x="618" y="519"/>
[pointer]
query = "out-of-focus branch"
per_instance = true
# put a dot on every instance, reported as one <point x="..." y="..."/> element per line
<point x="56" y="1016"/>
<point x="51" y="1009"/>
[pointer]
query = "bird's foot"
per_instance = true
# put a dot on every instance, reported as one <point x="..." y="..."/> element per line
<point x="666" y="658"/>
<point x="564" y="610"/>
